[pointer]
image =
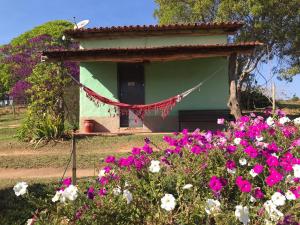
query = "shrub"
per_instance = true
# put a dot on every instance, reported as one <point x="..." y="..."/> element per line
<point x="247" y="174"/>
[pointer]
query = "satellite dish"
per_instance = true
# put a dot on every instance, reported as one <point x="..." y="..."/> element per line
<point x="81" y="24"/>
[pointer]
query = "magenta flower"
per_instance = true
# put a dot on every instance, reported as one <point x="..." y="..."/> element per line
<point x="147" y="149"/>
<point x="251" y="151"/>
<point x="91" y="193"/>
<point x="274" y="178"/>
<point x="196" y="149"/>
<point x="272" y="161"/>
<point x="110" y="159"/>
<point x="136" y="151"/>
<point x="67" y="182"/>
<point x="244" y="185"/>
<point x="103" y="181"/>
<point x="258" y="194"/>
<point x="230" y="164"/>
<point x="258" y="168"/>
<point x="231" y="149"/>
<point x="102" y="192"/>
<point x="215" y="184"/>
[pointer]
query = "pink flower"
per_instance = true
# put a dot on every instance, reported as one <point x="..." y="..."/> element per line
<point x="231" y="149"/>
<point x="274" y="178"/>
<point x="67" y="182"/>
<point x="147" y="149"/>
<point x="258" y="168"/>
<point x="196" y="149"/>
<point x="220" y="121"/>
<point x="244" y="185"/>
<point x="102" y="192"/>
<point x="272" y="161"/>
<point x="251" y="151"/>
<point x="103" y="181"/>
<point x="230" y="164"/>
<point x="136" y="151"/>
<point x="110" y="159"/>
<point x="258" y="194"/>
<point x="215" y="184"/>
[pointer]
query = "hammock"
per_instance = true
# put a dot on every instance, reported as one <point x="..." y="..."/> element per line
<point x="164" y="106"/>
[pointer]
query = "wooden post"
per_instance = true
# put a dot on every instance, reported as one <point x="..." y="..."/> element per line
<point x="74" y="158"/>
<point x="233" y="103"/>
<point x="273" y="97"/>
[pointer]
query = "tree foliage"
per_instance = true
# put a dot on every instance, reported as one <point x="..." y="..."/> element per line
<point x="276" y="23"/>
<point x="19" y="58"/>
<point x="54" y="29"/>
<point x="45" y="113"/>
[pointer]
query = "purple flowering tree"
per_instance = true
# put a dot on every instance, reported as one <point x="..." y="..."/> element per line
<point x="22" y="59"/>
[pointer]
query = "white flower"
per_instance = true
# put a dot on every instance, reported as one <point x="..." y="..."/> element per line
<point x="212" y="206"/>
<point x="237" y="141"/>
<point x="252" y="173"/>
<point x="284" y="120"/>
<point x="275" y="155"/>
<point x="289" y="179"/>
<point x="243" y="161"/>
<point x="168" y="202"/>
<point x="70" y="193"/>
<point x="297" y="121"/>
<point x="252" y="199"/>
<point x="57" y="196"/>
<point x="270" y="121"/>
<point x="220" y="121"/>
<point x="101" y="173"/>
<point x="290" y="195"/>
<point x="154" y="167"/>
<point x="30" y="221"/>
<point x="260" y="138"/>
<point x="187" y="186"/>
<point x="117" y="191"/>
<point x="20" y="188"/>
<point x="296" y="169"/>
<point x="128" y="196"/>
<point x="278" y="199"/>
<point x="242" y="213"/>
<point x="273" y="212"/>
<point x="231" y="171"/>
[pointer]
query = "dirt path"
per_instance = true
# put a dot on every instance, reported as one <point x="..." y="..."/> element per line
<point x="42" y="173"/>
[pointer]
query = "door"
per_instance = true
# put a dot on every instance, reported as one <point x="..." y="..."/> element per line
<point x="131" y="91"/>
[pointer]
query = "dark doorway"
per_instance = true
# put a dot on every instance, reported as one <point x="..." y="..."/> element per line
<point x="131" y="91"/>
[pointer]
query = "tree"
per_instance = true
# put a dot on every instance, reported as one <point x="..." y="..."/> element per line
<point x="274" y="22"/>
<point x="18" y="59"/>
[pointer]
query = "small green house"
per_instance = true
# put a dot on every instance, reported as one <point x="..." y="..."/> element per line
<point x="146" y="64"/>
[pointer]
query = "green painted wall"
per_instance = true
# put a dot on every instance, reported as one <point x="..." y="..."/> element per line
<point x="137" y="42"/>
<point x="162" y="80"/>
<point x="101" y="78"/>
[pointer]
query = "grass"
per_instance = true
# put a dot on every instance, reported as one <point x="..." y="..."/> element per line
<point x="17" y="210"/>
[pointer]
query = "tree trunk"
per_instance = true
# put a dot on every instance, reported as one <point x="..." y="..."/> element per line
<point x="233" y="102"/>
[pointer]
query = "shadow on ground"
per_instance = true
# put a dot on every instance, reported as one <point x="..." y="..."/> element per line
<point x="17" y="210"/>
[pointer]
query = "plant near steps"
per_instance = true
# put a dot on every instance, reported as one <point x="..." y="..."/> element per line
<point x="247" y="174"/>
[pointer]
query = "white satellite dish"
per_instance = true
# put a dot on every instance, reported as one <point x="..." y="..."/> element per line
<point x="81" y="24"/>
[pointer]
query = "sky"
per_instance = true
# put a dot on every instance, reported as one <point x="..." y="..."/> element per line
<point x="18" y="16"/>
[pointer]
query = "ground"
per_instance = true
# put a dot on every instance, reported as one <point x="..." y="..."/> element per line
<point x="43" y="166"/>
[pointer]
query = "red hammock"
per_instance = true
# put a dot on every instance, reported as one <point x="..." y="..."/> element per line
<point x="164" y="106"/>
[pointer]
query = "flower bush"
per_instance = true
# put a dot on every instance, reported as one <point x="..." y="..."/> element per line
<point x="246" y="174"/>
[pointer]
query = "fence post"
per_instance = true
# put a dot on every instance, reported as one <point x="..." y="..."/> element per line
<point x="74" y="158"/>
<point x="273" y="97"/>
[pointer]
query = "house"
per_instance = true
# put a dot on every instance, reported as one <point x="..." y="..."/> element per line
<point x="146" y="64"/>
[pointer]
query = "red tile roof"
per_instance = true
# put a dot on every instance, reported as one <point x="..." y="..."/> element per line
<point x="144" y="54"/>
<point x="148" y="29"/>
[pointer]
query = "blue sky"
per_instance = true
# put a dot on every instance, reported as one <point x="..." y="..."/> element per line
<point x="18" y="16"/>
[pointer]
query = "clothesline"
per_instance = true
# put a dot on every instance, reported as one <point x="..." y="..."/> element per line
<point x="165" y="106"/>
